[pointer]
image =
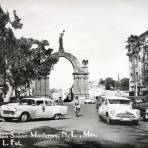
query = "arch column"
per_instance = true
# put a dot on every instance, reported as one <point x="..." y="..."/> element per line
<point x="80" y="85"/>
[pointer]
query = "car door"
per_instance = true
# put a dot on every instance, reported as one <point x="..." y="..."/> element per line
<point x="106" y="108"/>
<point x="49" y="109"/>
<point x="101" y="108"/>
<point x="40" y="109"/>
<point x="30" y="107"/>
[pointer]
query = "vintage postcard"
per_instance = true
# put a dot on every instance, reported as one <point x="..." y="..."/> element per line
<point x="73" y="73"/>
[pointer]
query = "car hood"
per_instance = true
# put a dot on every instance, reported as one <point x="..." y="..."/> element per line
<point x="121" y="108"/>
<point x="10" y="106"/>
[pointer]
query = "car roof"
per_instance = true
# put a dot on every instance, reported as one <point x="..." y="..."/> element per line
<point x="115" y="98"/>
<point x="37" y="99"/>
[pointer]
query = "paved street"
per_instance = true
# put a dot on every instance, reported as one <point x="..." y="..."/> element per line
<point x="85" y="131"/>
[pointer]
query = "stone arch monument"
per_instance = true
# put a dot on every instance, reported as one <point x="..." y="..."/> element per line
<point x="80" y="72"/>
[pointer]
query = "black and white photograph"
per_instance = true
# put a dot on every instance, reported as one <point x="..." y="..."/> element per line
<point x="73" y="73"/>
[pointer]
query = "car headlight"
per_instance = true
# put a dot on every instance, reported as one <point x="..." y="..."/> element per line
<point x="112" y="112"/>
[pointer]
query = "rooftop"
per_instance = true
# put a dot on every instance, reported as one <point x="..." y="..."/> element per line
<point x="39" y="98"/>
<point x="143" y="34"/>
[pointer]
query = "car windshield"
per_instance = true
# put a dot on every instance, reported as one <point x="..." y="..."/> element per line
<point x="115" y="101"/>
<point x="27" y="102"/>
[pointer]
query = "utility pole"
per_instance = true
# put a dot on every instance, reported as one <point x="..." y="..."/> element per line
<point x="118" y="82"/>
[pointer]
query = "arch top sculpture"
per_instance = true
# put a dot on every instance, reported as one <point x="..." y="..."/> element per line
<point x="61" y="48"/>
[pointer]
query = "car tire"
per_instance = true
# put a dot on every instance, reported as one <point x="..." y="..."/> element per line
<point x="144" y="118"/>
<point x="136" y="122"/>
<point x="7" y="119"/>
<point x="100" y="117"/>
<point x="24" y="117"/>
<point x="57" y="116"/>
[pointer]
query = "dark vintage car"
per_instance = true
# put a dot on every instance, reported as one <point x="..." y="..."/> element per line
<point x="141" y="105"/>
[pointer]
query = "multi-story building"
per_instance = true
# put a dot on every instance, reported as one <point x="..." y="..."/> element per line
<point x="41" y="87"/>
<point x="138" y="65"/>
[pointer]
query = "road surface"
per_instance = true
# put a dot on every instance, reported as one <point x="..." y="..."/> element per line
<point x="85" y="131"/>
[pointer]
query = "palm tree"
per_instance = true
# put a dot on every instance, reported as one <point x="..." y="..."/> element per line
<point x="134" y="47"/>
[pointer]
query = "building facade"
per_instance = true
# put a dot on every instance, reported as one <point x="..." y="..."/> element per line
<point x="41" y="87"/>
<point x="138" y="65"/>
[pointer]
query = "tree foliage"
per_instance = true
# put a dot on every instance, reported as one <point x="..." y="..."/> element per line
<point x="124" y="83"/>
<point x="109" y="83"/>
<point x="24" y="59"/>
<point x="133" y="45"/>
<point x="101" y="82"/>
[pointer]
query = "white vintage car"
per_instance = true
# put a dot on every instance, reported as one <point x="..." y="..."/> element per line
<point x="31" y="108"/>
<point x="89" y="101"/>
<point x="115" y="108"/>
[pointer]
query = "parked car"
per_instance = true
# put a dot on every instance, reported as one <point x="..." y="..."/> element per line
<point x="89" y="101"/>
<point x="31" y="108"/>
<point x="142" y="106"/>
<point x="115" y="108"/>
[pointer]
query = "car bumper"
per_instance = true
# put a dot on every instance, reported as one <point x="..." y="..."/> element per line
<point x="14" y="116"/>
<point x="125" y="119"/>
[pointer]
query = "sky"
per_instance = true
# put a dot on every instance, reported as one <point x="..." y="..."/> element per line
<point x="96" y="30"/>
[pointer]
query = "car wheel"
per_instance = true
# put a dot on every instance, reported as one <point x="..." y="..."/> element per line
<point x="136" y="122"/>
<point x="144" y="118"/>
<point x="100" y="118"/>
<point x="24" y="117"/>
<point x="57" y="116"/>
<point x="8" y="119"/>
